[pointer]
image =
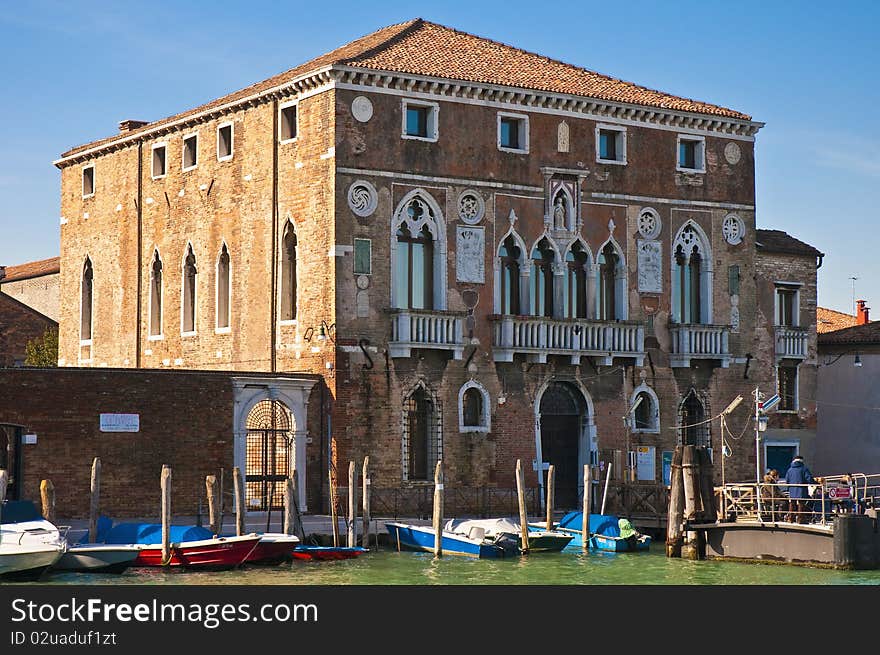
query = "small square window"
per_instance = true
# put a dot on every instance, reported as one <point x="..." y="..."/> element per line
<point x="513" y="133"/>
<point x="224" y="142"/>
<point x="420" y="120"/>
<point x="691" y="154"/>
<point x="610" y="145"/>
<point x="190" y="152"/>
<point x="88" y="181"/>
<point x="287" y="125"/>
<point x="363" y="257"/>
<point x="158" y="168"/>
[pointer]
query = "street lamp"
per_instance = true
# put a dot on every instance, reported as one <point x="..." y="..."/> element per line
<point x="727" y="410"/>
<point x="627" y="425"/>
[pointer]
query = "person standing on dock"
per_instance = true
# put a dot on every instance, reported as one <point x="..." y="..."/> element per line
<point x="798" y="477"/>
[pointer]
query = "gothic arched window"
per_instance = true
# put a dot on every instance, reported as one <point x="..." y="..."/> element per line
<point x="576" y="261"/>
<point x="510" y="255"/>
<point x="86" y="299"/>
<point x="224" y="290"/>
<point x="188" y="298"/>
<point x="288" y="273"/>
<point x="156" y="296"/>
<point x="422" y="444"/>
<point x="691" y="284"/>
<point x="608" y="267"/>
<point x="541" y="290"/>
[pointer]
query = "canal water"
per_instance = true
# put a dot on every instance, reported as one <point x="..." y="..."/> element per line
<point x="386" y="567"/>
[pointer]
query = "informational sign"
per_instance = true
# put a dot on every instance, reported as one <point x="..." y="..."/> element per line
<point x="120" y="422"/>
<point x="29" y="439"/>
<point x="645" y="466"/>
<point x="839" y="492"/>
<point x="667" y="467"/>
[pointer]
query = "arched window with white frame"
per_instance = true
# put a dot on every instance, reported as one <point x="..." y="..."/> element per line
<point x="576" y="281"/>
<point x="646" y="415"/>
<point x="224" y="289"/>
<point x="691" y="276"/>
<point x="86" y="301"/>
<point x="473" y="408"/>
<point x="510" y="270"/>
<point x="541" y="286"/>
<point x="418" y="253"/>
<point x="188" y="294"/>
<point x="611" y="273"/>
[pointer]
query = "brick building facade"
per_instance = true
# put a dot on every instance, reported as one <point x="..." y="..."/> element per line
<point x="486" y="255"/>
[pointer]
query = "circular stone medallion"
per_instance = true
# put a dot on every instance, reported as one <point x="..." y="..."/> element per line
<point x="732" y="153"/>
<point x="362" y="198"/>
<point x="363" y="281"/>
<point x="362" y="108"/>
<point x="649" y="223"/>
<point x="471" y="207"/>
<point x="733" y="229"/>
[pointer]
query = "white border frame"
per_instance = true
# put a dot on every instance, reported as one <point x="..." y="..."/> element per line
<point x="644" y="388"/>
<point x="433" y="119"/>
<point x="486" y="416"/>
<point x="699" y="156"/>
<point x="184" y="138"/>
<point x="217" y="328"/>
<point x="161" y="335"/>
<point x="153" y="148"/>
<point x="231" y="126"/>
<point x="83" y="180"/>
<point x="281" y="108"/>
<point x="796" y="310"/>
<point x="621" y="143"/>
<point x="195" y="330"/>
<point x="523" y="132"/>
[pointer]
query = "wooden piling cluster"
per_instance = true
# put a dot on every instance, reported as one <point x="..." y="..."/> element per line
<point x="351" y="519"/>
<point x="691" y="500"/>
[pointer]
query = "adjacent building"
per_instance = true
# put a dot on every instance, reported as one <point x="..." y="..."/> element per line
<point x="485" y="254"/>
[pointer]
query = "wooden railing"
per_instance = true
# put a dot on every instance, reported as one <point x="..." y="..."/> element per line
<point x="691" y="341"/>
<point x="791" y="342"/>
<point x="420" y="328"/>
<point x="538" y="336"/>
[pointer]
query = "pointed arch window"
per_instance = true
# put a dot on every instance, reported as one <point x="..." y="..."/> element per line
<point x="576" y="262"/>
<point x="417" y="264"/>
<point x="510" y="255"/>
<point x="609" y="263"/>
<point x="188" y="297"/>
<point x="693" y="430"/>
<point x="223" y="289"/>
<point x="86" y="300"/>
<point x="288" y="273"/>
<point x="156" y="296"/>
<point x="690" y="277"/>
<point x="646" y="416"/>
<point x="422" y="443"/>
<point x="541" y="289"/>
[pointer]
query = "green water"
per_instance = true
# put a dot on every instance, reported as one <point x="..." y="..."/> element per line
<point x="565" y="568"/>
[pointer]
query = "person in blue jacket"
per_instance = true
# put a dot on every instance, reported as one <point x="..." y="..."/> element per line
<point x="797" y="477"/>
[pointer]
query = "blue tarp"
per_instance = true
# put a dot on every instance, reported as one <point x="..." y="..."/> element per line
<point x="604" y="524"/>
<point x="151" y="533"/>
<point x="19" y="511"/>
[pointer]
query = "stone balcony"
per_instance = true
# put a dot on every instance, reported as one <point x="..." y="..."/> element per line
<point x="691" y="341"/>
<point x="791" y="342"/>
<point x="539" y="336"/>
<point x="426" y="329"/>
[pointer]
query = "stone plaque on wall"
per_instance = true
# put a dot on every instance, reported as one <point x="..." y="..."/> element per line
<point x="650" y="266"/>
<point x="470" y="254"/>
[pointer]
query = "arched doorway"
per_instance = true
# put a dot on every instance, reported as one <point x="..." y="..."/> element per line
<point x="693" y="430"/>
<point x="562" y="414"/>
<point x="269" y="434"/>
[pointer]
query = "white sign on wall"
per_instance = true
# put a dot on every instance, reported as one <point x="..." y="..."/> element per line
<point x="120" y="422"/>
<point x="470" y="252"/>
<point x="645" y="463"/>
<point x="650" y="266"/>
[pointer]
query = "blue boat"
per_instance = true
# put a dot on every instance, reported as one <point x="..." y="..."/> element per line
<point x="421" y="537"/>
<point x="604" y="532"/>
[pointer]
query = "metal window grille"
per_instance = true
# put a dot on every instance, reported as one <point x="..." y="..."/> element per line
<point x="693" y="431"/>
<point x="268" y="455"/>
<point x="422" y="442"/>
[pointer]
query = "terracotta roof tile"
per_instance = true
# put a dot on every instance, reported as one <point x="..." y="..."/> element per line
<point x="423" y="48"/>
<point x="779" y="241"/>
<point x="866" y="334"/>
<point x="32" y="269"/>
<point x="828" y="320"/>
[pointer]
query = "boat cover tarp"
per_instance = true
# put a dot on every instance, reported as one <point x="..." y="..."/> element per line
<point x="151" y="533"/>
<point x="604" y="524"/>
<point x="19" y="511"/>
<point x="492" y="527"/>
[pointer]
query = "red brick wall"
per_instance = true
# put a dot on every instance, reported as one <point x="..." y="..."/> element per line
<point x="18" y="325"/>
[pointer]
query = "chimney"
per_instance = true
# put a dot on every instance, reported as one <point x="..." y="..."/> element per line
<point x="861" y="312"/>
<point x="2" y="272"/>
<point x="128" y="125"/>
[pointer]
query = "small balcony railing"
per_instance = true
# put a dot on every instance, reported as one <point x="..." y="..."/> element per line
<point x="423" y="328"/>
<point x="791" y="342"/>
<point x="539" y="336"/>
<point x="690" y="341"/>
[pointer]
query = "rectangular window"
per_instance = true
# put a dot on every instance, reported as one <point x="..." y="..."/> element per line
<point x="287" y="123"/>
<point x="420" y="120"/>
<point x="362" y="256"/>
<point x="610" y="144"/>
<point x="786" y="306"/>
<point x="224" y="142"/>
<point x="190" y="152"/>
<point x="786" y="377"/>
<point x="691" y="154"/>
<point x="88" y="181"/>
<point x="513" y="133"/>
<point x="159" y="167"/>
<point x="733" y="280"/>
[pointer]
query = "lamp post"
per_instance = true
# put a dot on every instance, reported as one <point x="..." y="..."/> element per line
<point x="626" y="423"/>
<point x="732" y="406"/>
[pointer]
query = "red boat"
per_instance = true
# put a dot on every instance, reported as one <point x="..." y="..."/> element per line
<point x="217" y="553"/>
<point x="273" y="547"/>
<point x="327" y="552"/>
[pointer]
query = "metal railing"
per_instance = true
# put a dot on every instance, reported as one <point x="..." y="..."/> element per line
<point x="791" y="342"/>
<point x="419" y="328"/>
<point x="542" y="335"/>
<point x="691" y="341"/>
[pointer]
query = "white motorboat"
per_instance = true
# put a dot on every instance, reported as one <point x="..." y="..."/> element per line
<point x="97" y="558"/>
<point x="29" y="544"/>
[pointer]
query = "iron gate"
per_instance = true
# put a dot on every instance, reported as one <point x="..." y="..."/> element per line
<point x="268" y="455"/>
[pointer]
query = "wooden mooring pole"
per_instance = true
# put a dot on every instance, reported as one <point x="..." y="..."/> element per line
<point x="47" y="496"/>
<point x="213" y="503"/>
<point x="365" y="531"/>
<point x="523" y="516"/>
<point x="588" y="505"/>
<point x="550" y="491"/>
<point x="707" y="485"/>
<point x="438" y="509"/>
<point x="165" y="483"/>
<point x="352" y="505"/>
<point x="333" y="518"/>
<point x="292" y="517"/>
<point x="238" y="487"/>
<point x="4" y="482"/>
<point x="675" y="516"/>
<point x="94" y="499"/>
<point x="692" y="502"/>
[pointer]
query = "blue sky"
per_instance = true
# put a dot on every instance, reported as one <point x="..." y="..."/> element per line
<point x="72" y="70"/>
